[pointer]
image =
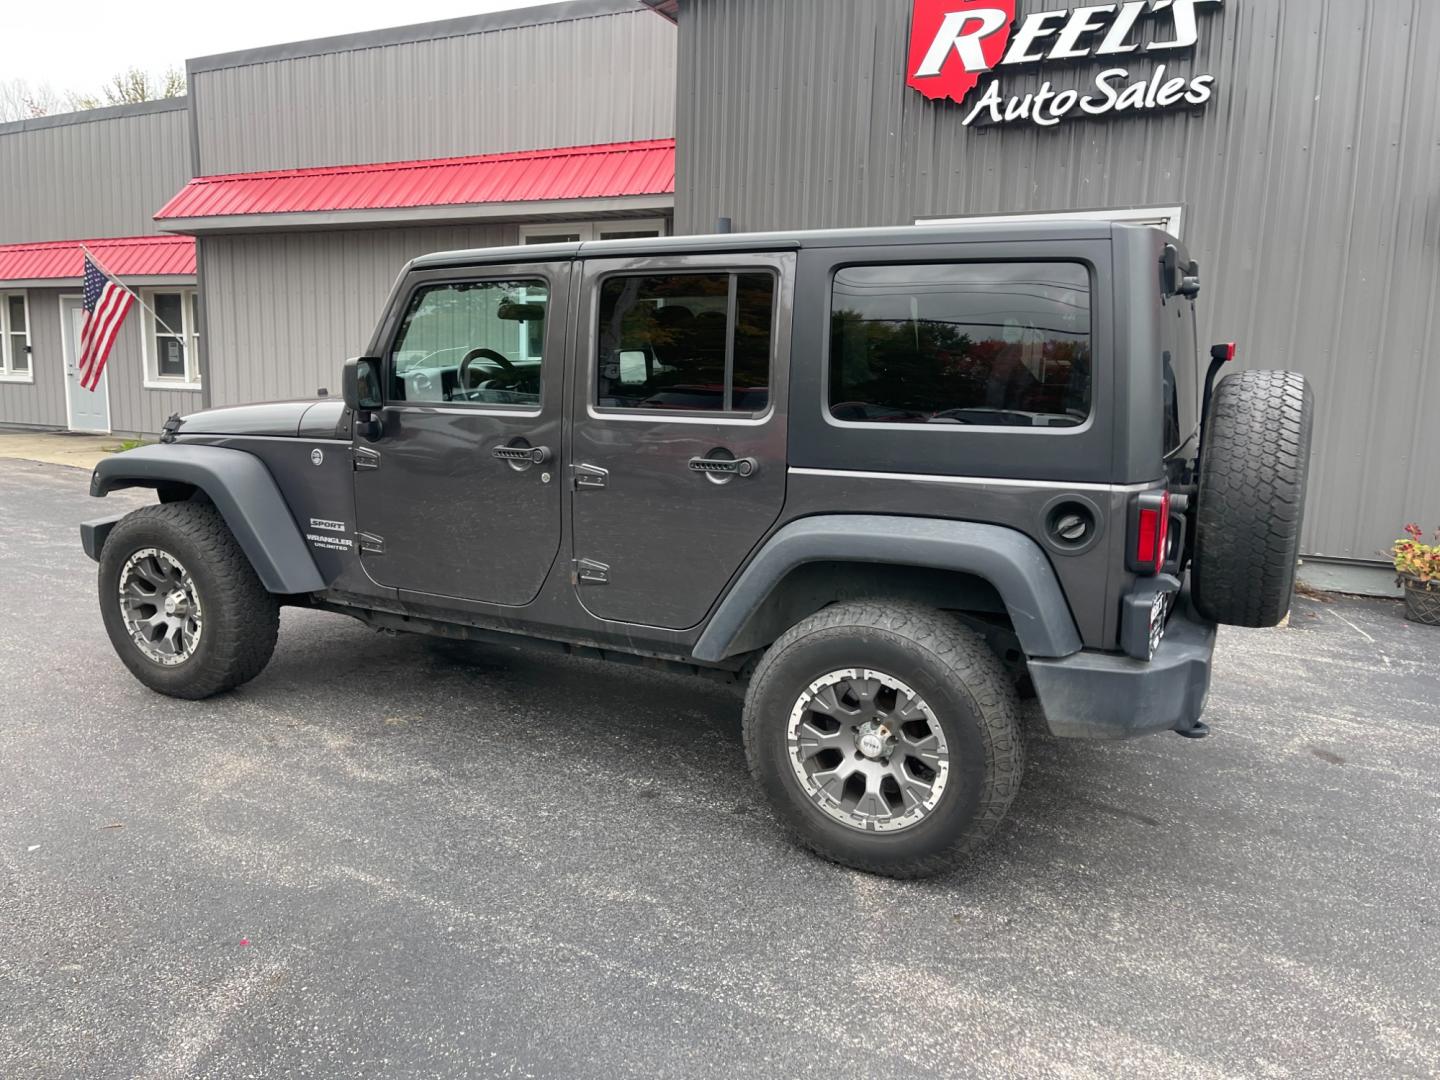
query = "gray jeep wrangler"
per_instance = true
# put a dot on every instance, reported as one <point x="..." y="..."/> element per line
<point x="893" y="481"/>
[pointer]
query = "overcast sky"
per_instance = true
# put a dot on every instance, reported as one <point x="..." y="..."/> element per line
<point x="79" y="44"/>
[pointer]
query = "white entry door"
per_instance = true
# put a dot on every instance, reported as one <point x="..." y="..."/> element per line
<point x="87" y="410"/>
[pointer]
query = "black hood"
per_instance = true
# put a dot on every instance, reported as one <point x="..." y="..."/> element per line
<point x="317" y="419"/>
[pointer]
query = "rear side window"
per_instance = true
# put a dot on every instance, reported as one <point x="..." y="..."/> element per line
<point x="686" y="342"/>
<point x="988" y="344"/>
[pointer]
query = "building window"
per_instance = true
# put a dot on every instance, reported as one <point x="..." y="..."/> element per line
<point x="966" y="344"/>
<point x="686" y="342"/>
<point x="172" y="339"/>
<point x="576" y="232"/>
<point x="15" y="363"/>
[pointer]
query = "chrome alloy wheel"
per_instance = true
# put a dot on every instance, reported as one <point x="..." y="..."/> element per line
<point x="868" y="750"/>
<point x="160" y="606"/>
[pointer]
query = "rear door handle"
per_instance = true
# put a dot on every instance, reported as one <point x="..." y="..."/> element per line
<point x="725" y="468"/>
<point x="522" y="455"/>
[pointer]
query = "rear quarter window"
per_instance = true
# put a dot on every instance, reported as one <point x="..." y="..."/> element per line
<point x="995" y="344"/>
<point x="1180" y="374"/>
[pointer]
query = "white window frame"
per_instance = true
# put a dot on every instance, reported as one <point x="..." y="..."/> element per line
<point x="189" y="332"/>
<point x="7" y="360"/>
<point x="589" y="231"/>
<point x="1167" y="217"/>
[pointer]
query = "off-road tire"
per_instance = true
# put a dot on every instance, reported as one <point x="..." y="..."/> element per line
<point x="241" y="619"/>
<point x="1251" y="502"/>
<point x="953" y="670"/>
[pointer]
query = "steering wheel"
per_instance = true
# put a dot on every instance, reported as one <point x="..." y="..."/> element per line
<point x="484" y="354"/>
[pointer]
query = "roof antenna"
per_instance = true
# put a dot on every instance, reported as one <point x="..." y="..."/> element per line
<point x="724" y="225"/>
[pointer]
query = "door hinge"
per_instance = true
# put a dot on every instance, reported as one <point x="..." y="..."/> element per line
<point x="364" y="457"/>
<point x="375" y="545"/>
<point x="590" y="572"/>
<point x="589" y="476"/>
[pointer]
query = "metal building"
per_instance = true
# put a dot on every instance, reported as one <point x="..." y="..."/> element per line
<point x="94" y="177"/>
<point x="280" y="200"/>
<point x="1308" y="186"/>
<point x="323" y="166"/>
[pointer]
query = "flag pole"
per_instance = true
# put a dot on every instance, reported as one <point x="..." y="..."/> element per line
<point x="115" y="278"/>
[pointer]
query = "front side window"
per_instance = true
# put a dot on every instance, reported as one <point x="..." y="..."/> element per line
<point x="689" y="342"/>
<point x="15" y="331"/>
<point x="472" y="342"/>
<point x="989" y="344"/>
<point x="172" y="337"/>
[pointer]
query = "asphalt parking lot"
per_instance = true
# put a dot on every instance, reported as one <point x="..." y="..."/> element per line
<point x="391" y="857"/>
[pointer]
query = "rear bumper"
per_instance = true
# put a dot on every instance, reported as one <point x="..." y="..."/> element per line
<point x="1095" y="695"/>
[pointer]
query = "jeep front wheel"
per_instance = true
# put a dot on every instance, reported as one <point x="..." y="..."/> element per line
<point x="182" y="604"/>
<point x="885" y="737"/>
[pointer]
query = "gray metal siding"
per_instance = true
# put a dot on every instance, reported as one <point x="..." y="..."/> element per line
<point x="286" y="310"/>
<point x="41" y="403"/>
<point x="97" y="178"/>
<point x="134" y="407"/>
<point x="1311" y="188"/>
<point x="609" y="78"/>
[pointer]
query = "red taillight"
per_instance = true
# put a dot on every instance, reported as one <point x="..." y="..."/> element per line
<point x="1150" y="531"/>
<point x="1149" y="535"/>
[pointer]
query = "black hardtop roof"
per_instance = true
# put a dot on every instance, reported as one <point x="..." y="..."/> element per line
<point x="720" y="243"/>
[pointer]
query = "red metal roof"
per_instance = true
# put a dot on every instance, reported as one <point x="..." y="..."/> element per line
<point x="129" y="256"/>
<point x="575" y="172"/>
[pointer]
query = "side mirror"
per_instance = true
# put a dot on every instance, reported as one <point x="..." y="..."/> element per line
<point x="361" y="384"/>
<point x="361" y="389"/>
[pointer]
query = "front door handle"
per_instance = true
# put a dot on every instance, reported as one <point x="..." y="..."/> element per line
<point x="725" y="468"/>
<point x="522" y="455"/>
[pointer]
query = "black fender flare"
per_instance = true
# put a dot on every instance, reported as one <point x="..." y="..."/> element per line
<point x="1009" y="560"/>
<point x="244" y="492"/>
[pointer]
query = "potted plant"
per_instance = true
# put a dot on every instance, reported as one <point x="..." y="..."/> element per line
<point x="1418" y="565"/>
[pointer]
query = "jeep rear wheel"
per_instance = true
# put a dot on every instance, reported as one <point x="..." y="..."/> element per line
<point x="1251" y="499"/>
<point x="182" y="604"/>
<point x="885" y="737"/>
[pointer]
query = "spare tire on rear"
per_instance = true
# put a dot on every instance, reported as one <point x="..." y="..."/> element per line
<point x="1251" y="502"/>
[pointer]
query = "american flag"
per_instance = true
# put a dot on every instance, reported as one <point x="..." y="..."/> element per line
<point x="106" y="304"/>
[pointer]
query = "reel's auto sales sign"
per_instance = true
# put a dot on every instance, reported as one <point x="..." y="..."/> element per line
<point x="954" y="44"/>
